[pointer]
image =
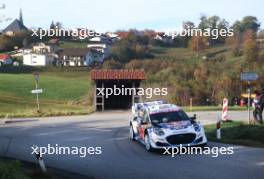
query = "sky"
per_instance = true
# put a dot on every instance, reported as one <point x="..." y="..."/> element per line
<point x="112" y="15"/>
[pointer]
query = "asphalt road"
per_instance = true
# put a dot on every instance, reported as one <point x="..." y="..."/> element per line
<point x="122" y="158"/>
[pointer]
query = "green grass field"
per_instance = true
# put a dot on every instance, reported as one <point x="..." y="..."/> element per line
<point x="64" y="93"/>
<point x="238" y="133"/>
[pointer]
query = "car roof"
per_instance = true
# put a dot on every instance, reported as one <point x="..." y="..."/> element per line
<point x="163" y="108"/>
<point x="159" y="106"/>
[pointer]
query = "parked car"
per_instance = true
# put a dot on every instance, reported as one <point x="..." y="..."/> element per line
<point x="158" y="125"/>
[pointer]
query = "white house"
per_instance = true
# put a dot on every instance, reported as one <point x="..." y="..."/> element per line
<point x="43" y="48"/>
<point x="40" y="55"/>
<point x="101" y="47"/>
<point x="80" y="57"/>
<point x="34" y="59"/>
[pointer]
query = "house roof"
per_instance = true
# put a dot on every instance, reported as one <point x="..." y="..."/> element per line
<point x="75" y="51"/>
<point x="16" y="25"/>
<point x="78" y="52"/>
<point x="4" y="56"/>
<point x="118" y="74"/>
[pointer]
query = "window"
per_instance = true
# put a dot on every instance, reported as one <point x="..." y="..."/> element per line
<point x="166" y="117"/>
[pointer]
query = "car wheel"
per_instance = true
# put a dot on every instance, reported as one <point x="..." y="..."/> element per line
<point x="203" y="145"/>
<point x="131" y="133"/>
<point x="148" y="143"/>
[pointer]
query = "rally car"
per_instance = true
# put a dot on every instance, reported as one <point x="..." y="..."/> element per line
<point x="158" y="125"/>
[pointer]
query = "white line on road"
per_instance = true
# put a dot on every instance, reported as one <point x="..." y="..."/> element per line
<point x="55" y="132"/>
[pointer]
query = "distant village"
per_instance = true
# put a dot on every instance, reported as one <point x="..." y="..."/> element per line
<point x="49" y="51"/>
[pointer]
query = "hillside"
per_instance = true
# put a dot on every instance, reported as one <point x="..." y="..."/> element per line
<point x="214" y="74"/>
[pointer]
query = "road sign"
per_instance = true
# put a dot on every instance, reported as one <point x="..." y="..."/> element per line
<point x="37" y="91"/>
<point x="36" y="75"/>
<point x="245" y="95"/>
<point x="249" y="76"/>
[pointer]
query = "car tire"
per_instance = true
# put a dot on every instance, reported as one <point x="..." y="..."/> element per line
<point x="131" y="133"/>
<point x="203" y="145"/>
<point x="148" y="143"/>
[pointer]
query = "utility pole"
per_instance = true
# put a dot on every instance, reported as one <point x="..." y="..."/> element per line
<point x="249" y="100"/>
<point x="36" y="75"/>
<point x="249" y="77"/>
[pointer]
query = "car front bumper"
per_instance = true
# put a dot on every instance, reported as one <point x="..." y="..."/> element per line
<point x="158" y="142"/>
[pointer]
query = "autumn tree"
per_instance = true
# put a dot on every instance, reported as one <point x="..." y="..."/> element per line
<point x="235" y="43"/>
<point x="131" y="47"/>
<point x="250" y="47"/>
<point x="198" y="44"/>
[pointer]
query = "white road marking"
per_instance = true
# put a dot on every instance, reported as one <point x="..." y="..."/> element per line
<point x="54" y="132"/>
<point x="79" y="138"/>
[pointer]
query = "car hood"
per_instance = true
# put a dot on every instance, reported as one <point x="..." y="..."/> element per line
<point x="174" y="125"/>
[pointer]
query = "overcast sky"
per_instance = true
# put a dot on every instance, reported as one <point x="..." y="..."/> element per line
<point x="111" y="15"/>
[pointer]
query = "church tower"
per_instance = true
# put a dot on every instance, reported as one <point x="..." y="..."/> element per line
<point x="20" y="16"/>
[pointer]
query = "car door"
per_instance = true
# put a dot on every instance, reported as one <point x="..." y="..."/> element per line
<point x="143" y="124"/>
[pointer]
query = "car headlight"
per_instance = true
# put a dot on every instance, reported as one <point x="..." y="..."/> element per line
<point x="158" y="131"/>
<point x="197" y="127"/>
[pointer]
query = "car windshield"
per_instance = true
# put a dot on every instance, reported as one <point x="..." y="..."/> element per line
<point x="166" y="117"/>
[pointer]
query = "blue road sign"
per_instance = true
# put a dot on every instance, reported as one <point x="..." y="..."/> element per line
<point x="249" y="76"/>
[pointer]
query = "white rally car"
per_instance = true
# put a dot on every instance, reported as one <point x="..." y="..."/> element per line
<point x="158" y="125"/>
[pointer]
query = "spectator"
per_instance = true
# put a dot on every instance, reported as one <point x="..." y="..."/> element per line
<point x="258" y="105"/>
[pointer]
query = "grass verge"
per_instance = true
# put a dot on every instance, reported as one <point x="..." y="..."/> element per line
<point x="238" y="133"/>
<point x="14" y="169"/>
<point x="212" y="108"/>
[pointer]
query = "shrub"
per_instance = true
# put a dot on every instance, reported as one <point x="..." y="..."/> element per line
<point x="11" y="170"/>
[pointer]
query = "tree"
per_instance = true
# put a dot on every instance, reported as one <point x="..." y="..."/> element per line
<point x="235" y="43"/>
<point x="213" y="22"/>
<point x="188" y="25"/>
<point x="131" y="47"/>
<point x="250" y="46"/>
<point x="250" y="50"/>
<point x="198" y="44"/>
<point x="250" y="23"/>
<point x="52" y="25"/>
<point x="58" y="25"/>
<point x="237" y="27"/>
<point x="203" y="22"/>
<point x="223" y="24"/>
<point x="247" y="23"/>
<point x="8" y="43"/>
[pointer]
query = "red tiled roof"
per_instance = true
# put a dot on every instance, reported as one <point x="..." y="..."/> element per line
<point x="4" y="56"/>
<point x="118" y="75"/>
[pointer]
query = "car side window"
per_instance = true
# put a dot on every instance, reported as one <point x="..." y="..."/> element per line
<point x="145" y="117"/>
<point x="141" y="113"/>
<point x="140" y="116"/>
